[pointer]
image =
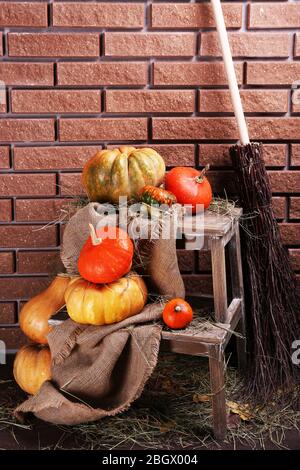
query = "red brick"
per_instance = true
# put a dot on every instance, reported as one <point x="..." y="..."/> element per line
<point x="39" y="210"/>
<point x="150" y="101"/>
<point x="218" y="154"/>
<point x="27" y="14"/>
<point x="81" y="130"/>
<point x="204" y="260"/>
<point x="296" y="100"/>
<point x="4" y="157"/>
<point x="248" y="44"/>
<point x="295" y="259"/>
<point x="274" y="154"/>
<point x="198" y="284"/>
<point x="218" y="129"/>
<point x="290" y="233"/>
<point x="254" y="101"/>
<point x="99" y="15"/>
<point x="13" y="338"/>
<point x="150" y="44"/>
<point x="295" y="208"/>
<point x="12" y="288"/>
<point x="39" y="262"/>
<point x="274" y="15"/>
<point x="27" y="73"/>
<point x="7" y="313"/>
<point x="6" y="261"/>
<point x="52" y="158"/>
<point x="193" y="73"/>
<point x="272" y="73"/>
<point x="181" y="16"/>
<point x="297" y="45"/>
<point x="176" y="155"/>
<point x="285" y="181"/>
<point x="185" y="260"/>
<point x="27" y="184"/>
<point x="53" y="45"/>
<point x="70" y="184"/>
<point x="102" y="73"/>
<point x="279" y="204"/>
<point x="26" y="130"/>
<point x="55" y="101"/>
<point x="3" y="100"/>
<point x="5" y="210"/>
<point x="295" y="158"/>
<point x="31" y="236"/>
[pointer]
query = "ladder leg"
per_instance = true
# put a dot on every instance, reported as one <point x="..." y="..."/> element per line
<point x="234" y="247"/>
<point x="216" y="367"/>
<point x="219" y="279"/>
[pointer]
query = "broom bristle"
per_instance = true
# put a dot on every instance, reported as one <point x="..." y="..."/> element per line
<point x="272" y="304"/>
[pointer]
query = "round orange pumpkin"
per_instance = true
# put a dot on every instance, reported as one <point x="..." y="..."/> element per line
<point x="35" y="314"/>
<point x="190" y="187"/>
<point x="32" y="367"/>
<point x="106" y="256"/>
<point x="112" y="173"/>
<point x="177" y="314"/>
<point x="101" y="304"/>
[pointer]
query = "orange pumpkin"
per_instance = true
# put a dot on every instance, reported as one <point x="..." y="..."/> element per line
<point x="35" y="314"/>
<point x="106" y="255"/>
<point x="101" y="304"/>
<point x="32" y="367"/>
<point x="177" y="314"/>
<point x="190" y="186"/>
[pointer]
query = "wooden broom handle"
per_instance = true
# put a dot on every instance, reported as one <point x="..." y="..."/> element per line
<point x="230" y="72"/>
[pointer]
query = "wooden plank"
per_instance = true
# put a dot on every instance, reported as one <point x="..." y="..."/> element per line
<point x="233" y="310"/>
<point x="185" y="347"/>
<point x="210" y="223"/>
<point x="214" y="336"/>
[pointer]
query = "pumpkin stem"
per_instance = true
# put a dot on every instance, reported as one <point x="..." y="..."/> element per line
<point x="177" y="308"/>
<point x="95" y="239"/>
<point x="199" y="179"/>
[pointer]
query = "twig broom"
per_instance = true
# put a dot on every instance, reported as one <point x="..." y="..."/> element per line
<point x="272" y="305"/>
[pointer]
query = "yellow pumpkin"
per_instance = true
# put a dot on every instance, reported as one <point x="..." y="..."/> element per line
<point x="100" y="304"/>
<point x="35" y="314"/>
<point x="32" y="367"/>
<point x="122" y="172"/>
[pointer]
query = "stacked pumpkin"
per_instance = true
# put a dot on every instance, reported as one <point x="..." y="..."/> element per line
<point x="105" y="291"/>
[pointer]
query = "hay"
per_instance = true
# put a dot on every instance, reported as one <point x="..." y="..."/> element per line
<point x="173" y="413"/>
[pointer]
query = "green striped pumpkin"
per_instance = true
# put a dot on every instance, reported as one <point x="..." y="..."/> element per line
<point x="112" y="173"/>
<point x="153" y="196"/>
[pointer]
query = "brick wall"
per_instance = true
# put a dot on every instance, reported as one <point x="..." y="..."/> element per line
<point x="87" y="74"/>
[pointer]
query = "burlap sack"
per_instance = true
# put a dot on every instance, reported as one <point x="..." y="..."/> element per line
<point x="156" y="256"/>
<point x="97" y="371"/>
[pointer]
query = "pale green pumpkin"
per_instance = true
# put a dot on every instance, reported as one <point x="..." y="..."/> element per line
<point x="119" y="172"/>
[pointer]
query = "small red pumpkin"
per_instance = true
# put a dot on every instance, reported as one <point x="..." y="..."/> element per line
<point x="106" y="255"/>
<point x="177" y="314"/>
<point x="190" y="186"/>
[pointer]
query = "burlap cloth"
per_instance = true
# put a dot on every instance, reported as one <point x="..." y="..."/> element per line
<point x="99" y="371"/>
